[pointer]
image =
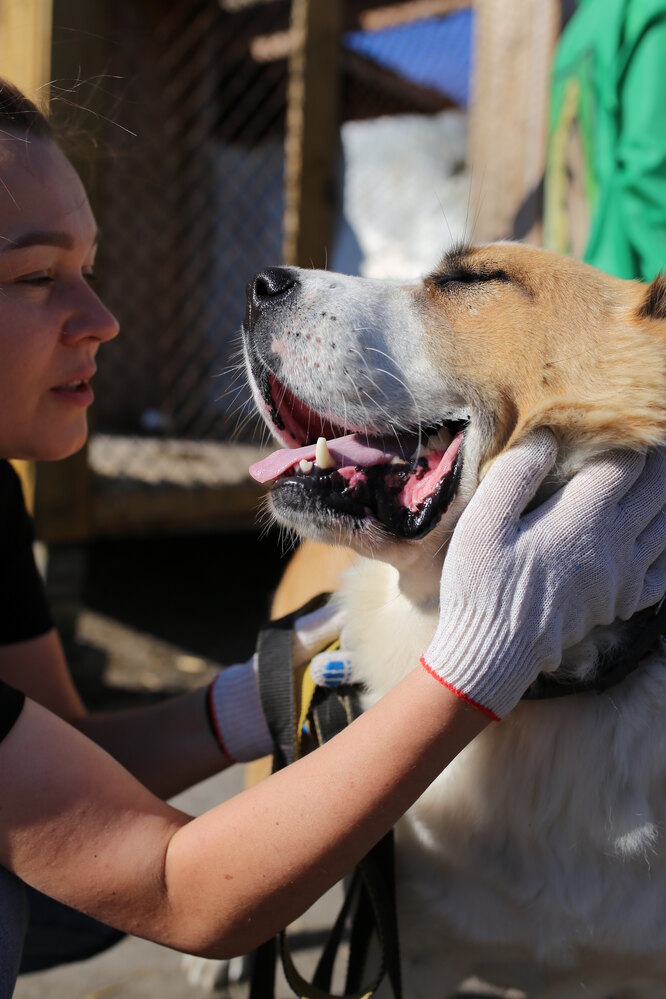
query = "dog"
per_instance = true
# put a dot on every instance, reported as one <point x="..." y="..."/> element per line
<point x="537" y="859"/>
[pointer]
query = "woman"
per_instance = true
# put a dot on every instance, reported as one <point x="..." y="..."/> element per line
<point x="80" y="816"/>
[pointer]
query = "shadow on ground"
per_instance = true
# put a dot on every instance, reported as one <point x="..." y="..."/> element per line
<point x="157" y="615"/>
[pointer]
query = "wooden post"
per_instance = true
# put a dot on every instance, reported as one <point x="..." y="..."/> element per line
<point x="514" y="45"/>
<point x="25" y="60"/>
<point x="312" y="139"/>
<point x="25" y="45"/>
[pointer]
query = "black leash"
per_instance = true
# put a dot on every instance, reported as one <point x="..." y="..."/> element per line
<point x="369" y="904"/>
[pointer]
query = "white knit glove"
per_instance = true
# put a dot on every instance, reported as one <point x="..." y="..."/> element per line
<point x="517" y="590"/>
<point x="233" y="701"/>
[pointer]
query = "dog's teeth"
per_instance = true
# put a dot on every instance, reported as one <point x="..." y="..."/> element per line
<point x="305" y="466"/>
<point x="395" y="460"/>
<point x="440" y="442"/>
<point x="323" y="457"/>
<point x="436" y="444"/>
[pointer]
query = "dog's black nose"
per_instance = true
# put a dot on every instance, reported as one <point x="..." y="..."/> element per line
<point x="266" y="289"/>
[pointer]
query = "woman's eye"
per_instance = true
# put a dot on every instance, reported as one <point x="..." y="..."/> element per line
<point x="37" y="280"/>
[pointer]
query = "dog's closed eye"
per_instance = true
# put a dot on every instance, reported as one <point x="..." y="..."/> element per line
<point x="466" y="275"/>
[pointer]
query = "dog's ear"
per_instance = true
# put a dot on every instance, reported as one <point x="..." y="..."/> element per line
<point x="653" y="305"/>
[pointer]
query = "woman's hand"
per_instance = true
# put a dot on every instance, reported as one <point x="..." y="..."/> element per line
<point x="517" y="588"/>
<point x="234" y="703"/>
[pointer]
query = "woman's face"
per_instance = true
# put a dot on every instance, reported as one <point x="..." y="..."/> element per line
<point x="51" y="321"/>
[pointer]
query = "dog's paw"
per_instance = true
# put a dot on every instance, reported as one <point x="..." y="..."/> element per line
<point x="215" y="976"/>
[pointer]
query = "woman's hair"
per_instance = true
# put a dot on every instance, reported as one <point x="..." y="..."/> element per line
<point x="18" y="114"/>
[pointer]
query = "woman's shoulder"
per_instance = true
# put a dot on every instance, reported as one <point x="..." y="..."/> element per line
<point x="15" y="522"/>
<point x="11" y="491"/>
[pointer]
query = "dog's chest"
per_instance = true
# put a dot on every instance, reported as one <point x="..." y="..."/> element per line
<point x="546" y="830"/>
<point x="386" y="632"/>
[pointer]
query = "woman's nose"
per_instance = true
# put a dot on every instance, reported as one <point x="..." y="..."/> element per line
<point x="90" y="319"/>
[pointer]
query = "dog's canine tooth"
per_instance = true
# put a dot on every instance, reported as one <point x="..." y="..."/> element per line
<point x="439" y="442"/>
<point x="323" y="457"/>
<point x="396" y="460"/>
<point x="433" y="445"/>
<point x="305" y="466"/>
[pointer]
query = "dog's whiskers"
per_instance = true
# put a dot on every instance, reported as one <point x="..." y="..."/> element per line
<point x="388" y="416"/>
<point x="392" y="374"/>
<point x="355" y="350"/>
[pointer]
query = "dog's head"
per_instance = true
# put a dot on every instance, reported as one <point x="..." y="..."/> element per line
<point x="417" y="388"/>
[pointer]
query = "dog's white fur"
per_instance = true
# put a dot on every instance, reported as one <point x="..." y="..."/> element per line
<point x="537" y="859"/>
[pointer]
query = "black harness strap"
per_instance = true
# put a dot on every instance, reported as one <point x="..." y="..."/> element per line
<point x="324" y="972"/>
<point x="653" y="627"/>
<point x="359" y="941"/>
<point x="372" y="887"/>
<point x="647" y="629"/>
<point x="370" y="899"/>
<point x="276" y="680"/>
<point x="264" y="960"/>
<point x="375" y="910"/>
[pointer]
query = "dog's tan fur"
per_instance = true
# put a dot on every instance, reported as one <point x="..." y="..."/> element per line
<point x="537" y="859"/>
<point x="565" y="346"/>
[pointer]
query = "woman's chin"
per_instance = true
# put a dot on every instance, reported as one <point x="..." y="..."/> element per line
<point x="65" y="450"/>
<point x="53" y="447"/>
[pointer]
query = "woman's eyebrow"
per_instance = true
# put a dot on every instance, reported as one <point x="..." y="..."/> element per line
<point x="42" y="237"/>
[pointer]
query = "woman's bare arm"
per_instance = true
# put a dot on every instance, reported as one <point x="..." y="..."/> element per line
<point x="167" y="746"/>
<point x="38" y="667"/>
<point x="76" y="825"/>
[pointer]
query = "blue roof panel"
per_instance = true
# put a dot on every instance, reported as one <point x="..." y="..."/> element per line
<point x="435" y="53"/>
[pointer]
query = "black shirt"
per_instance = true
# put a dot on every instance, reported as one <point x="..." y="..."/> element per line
<point x="24" y="611"/>
<point x="11" y="703"/>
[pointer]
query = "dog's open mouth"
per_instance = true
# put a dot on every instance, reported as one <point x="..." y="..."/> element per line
<point x="405" y="482"/>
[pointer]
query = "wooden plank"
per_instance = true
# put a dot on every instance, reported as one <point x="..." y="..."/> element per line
<point x="62" y="499"/>
<point x="514" y="46"/>
<point x="144" y="485"/>
<point x="25" y="60"/>
<point x="313" y="120"/>
<point x="278" y="44"/>
<point x="406" y="13"/>
<point x="271" y="48"/>
<point x="168" y="510"/>
<point x="237" y="6"/>
<point x="369" y="15"/>
<point x="25" y="45"/>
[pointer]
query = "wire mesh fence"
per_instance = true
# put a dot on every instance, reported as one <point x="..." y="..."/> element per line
<point x="190" y="206"/>
<point x="189" y="196"/>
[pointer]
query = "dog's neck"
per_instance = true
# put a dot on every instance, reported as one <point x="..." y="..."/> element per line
<point x="400" y="609"/>
<point x="419" y="571"/>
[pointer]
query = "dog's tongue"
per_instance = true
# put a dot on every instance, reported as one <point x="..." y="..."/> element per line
<point x="349" y="450"/>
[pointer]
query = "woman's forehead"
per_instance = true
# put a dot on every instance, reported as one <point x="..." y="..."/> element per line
<point x="40" y="190"/>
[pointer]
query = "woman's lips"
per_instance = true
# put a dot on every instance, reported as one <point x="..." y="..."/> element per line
<point x="77" y="393"/>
